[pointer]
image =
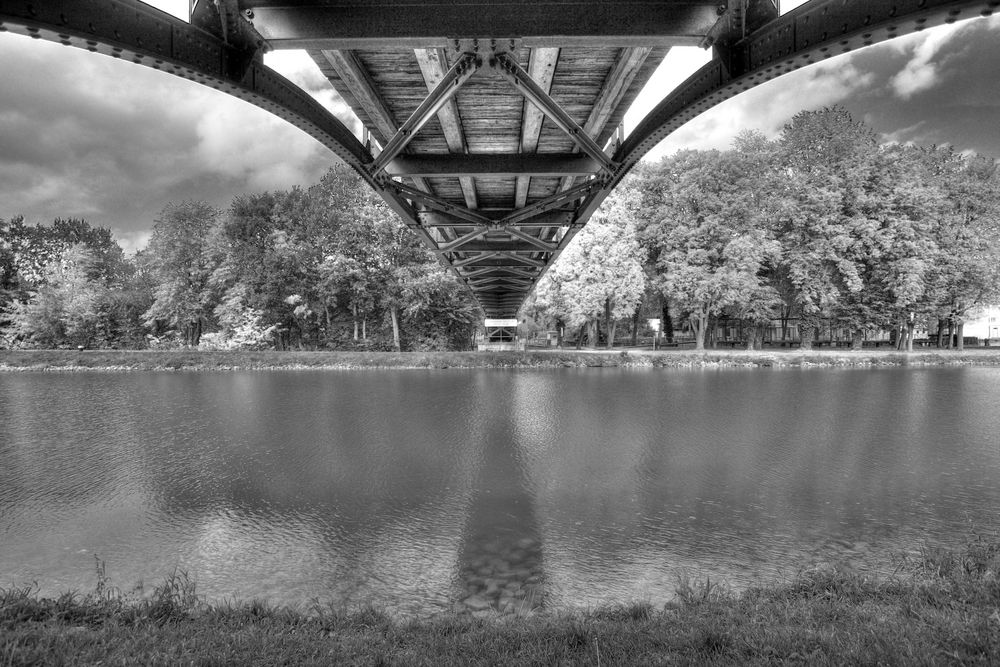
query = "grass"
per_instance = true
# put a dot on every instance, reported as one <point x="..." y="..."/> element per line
<point x="942" y="607"/>
<point x="153" y="360"/>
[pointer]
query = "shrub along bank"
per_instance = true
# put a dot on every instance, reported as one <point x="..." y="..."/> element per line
<point x="218" y="360"/>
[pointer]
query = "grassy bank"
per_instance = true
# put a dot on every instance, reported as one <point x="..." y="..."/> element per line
<point x="148" y="360"/>
<point x="938" y="609"/>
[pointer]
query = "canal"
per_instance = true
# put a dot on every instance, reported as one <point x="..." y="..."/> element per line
<point x="487" y="490"/>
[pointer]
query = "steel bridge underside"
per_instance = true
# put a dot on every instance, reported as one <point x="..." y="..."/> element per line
<point x="491" y="128"/>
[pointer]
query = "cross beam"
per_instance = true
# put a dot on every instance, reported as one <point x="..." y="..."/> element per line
<point x="388" y="24"/>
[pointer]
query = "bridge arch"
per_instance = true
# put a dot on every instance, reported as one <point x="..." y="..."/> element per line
<point x="496" y="200"/>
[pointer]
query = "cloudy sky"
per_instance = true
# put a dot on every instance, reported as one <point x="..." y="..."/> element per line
<point x="83" y="135"/>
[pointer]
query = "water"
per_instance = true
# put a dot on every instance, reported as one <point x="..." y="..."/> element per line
<point x="419" y="491"/>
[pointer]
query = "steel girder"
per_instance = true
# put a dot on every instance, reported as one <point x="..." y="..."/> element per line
<point x="387" y="24"/>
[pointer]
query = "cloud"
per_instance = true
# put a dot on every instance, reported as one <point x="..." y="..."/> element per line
<point x="905" y="135"/>
<point x="300" y="69"/>
<point x="769" y="107"/>
<point x="923" y="71"/>
<point x="84" y="135"/>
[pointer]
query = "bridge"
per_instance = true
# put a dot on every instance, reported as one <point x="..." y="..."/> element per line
<point x="493" y="129"/>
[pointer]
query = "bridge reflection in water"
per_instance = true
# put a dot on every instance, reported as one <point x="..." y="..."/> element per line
<point x="493" y="129"/>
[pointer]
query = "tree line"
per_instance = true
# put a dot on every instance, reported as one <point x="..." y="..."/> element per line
<point x="823" y="224"/>
<point x="328" y="267"/>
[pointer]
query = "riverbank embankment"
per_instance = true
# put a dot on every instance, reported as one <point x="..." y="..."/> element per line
<point x="938" y="608"/>
<point x="221" y="360"/>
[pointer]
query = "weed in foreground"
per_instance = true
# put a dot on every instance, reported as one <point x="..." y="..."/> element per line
<point x="691" y="592"/>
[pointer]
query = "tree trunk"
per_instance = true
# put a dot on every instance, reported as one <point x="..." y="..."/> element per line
<point x="354" y="315"/>
<point x="959" y="336"/>
<point x="910" y="327"/>
<point x="940" y="333"/>
<point x="668" y="323"/>
<point x="857" y="339"/>
<point x="951" y="333"/>
<point x="610" y="324"/>
<point x="700" y="325"/>
<point x="711" y="331"/>
<point x="560" y="327"/>
<point x="807" y="333"/>
<point x="750" y="332"/>
<point x="579" y="338"/>
<point x="394" y="314"/>
<point x="635" y="325"/>
<point x="364" y="328"/>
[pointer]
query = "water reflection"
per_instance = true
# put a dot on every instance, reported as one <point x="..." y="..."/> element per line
<point x="486" y="492"/>
<point x="500" y="566"/>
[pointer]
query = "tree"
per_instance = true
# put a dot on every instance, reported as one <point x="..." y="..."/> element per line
<point x="64" y="310"/>
<point x="180" y="266"/>
<point x="828" y="159"/>
<point x="966" y="271"/>
<point x="713" y="248"/>
<point x="599" y="273"/>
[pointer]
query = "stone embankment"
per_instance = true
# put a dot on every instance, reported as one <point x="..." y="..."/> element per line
<point x="502" y="578"/>
<point x="197" y="360"/>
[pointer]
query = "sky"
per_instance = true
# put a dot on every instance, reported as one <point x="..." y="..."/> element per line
<point x="83" y="135"/>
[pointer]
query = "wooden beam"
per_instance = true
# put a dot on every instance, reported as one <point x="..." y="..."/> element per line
<point x="508" y="68"/>
<point x="627" y="65"/>
<point x="541" y="68"/>
<point x="493" y="165"/>
<point x="446" y="89"/>
<point x="434" y="66"/>
<point x="357" y="79"/>
<point x="359" y="82"/>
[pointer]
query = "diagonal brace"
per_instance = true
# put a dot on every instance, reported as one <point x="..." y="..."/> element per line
<point x="443" y="205"/>
<point x="533" y="240"/>
<point x="524" y="260"/>
<point x="508" y="68"/>
<point x="462" y="240"/>
<point x="460" y="72"/>
<point x="542" y="205"/>
<point x="478" y="257"/>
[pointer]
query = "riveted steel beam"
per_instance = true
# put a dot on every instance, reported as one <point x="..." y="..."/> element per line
<point x="132" y="30"/>
<point x="499" y="165"/>
<point x="378" y="24"/>
<point x="558" y="218"/>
